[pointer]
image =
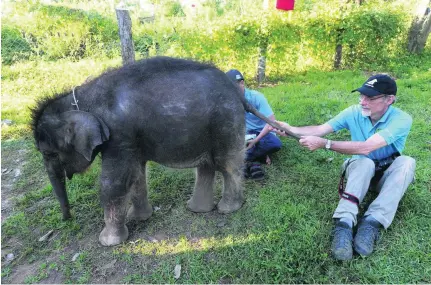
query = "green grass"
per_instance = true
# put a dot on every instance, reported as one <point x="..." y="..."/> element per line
<point x="280" y="235"/>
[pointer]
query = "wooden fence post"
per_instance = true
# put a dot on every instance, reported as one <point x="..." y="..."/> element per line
<point x="125" y="32"/>
<point x="263" y="47"/>
<point x="261" y="65"/>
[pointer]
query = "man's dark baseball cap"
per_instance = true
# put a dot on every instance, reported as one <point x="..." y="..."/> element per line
<point x="234" y="75"/>
<point x="378" y="84"/>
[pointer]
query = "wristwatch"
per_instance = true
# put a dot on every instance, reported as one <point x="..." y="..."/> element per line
<point x="328" y="144"/>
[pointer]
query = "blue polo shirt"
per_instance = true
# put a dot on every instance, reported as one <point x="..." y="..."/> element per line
<point x="394" y="127"/>
<point x="259" y="101"/>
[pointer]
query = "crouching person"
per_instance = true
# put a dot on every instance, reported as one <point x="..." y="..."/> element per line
<point x="378" y="136"/>
<point x="262" y="143"/>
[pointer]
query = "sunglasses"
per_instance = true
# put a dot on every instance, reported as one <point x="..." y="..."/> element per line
<point x="366" y="98"/>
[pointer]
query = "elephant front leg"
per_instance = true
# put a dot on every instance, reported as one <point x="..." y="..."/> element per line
<point x="203" y="197"/>
<point x="115" y="230"/>
<point x="141" y="209"/>
<point x="115" y="199"/>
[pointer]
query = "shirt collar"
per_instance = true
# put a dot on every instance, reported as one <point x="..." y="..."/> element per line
<point x="382" y="119"/>
<point x="386" y="115"/>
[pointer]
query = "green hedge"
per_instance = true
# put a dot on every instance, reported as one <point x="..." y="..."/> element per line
<point x="373" y="37"/>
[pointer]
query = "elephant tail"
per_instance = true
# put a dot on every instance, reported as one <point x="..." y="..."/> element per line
<point x="249" y="108"/>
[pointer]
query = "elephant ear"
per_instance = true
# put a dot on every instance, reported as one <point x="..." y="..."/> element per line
<point x="84" y="131"/>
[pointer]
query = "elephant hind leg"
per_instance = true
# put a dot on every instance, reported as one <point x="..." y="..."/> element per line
<point x="141" y="209"/>
<point x="232" y="196"/>
<point x="203" y="197"/>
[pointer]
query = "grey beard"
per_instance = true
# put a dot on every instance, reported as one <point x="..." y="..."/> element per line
<point x="366" y="113"/>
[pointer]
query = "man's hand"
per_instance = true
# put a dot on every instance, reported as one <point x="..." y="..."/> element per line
<point x="279" y="132"/>
<point x="251" y="143"/>
<point x="312" y="142"/>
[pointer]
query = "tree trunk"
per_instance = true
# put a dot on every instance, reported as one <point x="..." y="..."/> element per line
<point x="338" y="56"/>
<point x="261" y="62"/>
<point x="339" y="47"/>
<point x="125" y="32"/>
<point x="261" y="66"/>
<point x="420" y="28"/>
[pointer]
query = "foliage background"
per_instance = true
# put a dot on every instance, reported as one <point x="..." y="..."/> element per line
<point x="227" y="33"/>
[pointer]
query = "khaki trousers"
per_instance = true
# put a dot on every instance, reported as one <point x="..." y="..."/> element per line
<point x="391" y="188"/>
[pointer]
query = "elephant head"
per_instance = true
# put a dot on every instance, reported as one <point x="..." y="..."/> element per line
<point x="68" y="142"/>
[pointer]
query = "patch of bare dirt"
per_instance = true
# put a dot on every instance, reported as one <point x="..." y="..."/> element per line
<point x="12" y="165"/>
<point x="104" y="268"/>
<point x="19" y="275"/>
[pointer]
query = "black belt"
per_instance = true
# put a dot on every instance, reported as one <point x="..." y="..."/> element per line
<point x="381" y="166"/>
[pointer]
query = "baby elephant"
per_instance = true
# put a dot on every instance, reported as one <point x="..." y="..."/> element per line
<point x="176" y="112"/>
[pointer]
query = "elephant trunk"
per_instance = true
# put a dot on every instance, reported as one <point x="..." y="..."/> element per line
<point x="57" y="177"/>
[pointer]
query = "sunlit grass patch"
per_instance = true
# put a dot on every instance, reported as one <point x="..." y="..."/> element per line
<point x="24" y="82"/>
<point x="183" y="245"/>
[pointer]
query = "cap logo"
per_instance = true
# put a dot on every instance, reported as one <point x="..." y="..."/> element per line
<point x="238" y="77"/>
<point x="371" y="83"/>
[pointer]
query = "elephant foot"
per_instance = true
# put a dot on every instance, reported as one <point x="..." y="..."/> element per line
<point x="113" y="236"/>
<point x="197" y="206"/>
<point x="140" y="214"/>
<point x="226" y="208"/>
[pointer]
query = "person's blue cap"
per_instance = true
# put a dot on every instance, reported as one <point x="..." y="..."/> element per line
<point x="234" y="75"/>
<point x="378" y="84"/>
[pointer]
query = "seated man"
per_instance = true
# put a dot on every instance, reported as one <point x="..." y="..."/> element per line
<point x="379" y="132"/>
<point x="265" y="142"/>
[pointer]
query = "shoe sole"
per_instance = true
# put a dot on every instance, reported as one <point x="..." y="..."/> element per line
<point x="257" y="178"/>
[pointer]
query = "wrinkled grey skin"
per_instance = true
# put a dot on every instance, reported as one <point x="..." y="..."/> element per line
<point x="175" y="112"/>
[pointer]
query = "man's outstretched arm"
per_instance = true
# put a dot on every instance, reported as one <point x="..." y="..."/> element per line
<point x="376" y="141"/>
<point x="320" y="130"/>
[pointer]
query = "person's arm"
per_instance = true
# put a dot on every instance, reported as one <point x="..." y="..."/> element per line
<point x="263" y="133"/>
<point x="376" y="141"/>
<point x="320" y="130"/>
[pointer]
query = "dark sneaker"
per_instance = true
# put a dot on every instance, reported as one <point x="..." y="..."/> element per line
<point x="366" y="236"/>
<point x="246" y="170"/>
<point x="256" y="171"/>
<point x="342" y="242"/>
